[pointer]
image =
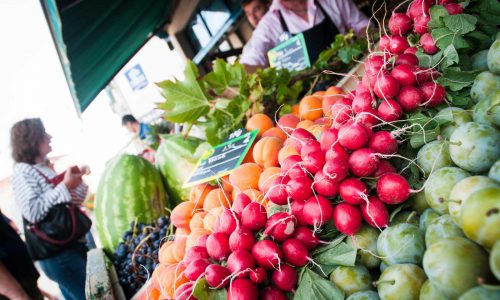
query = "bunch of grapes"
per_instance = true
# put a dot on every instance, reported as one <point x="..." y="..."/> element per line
<point x="137" y="256"/>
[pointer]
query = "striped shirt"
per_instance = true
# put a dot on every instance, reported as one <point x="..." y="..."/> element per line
<point x="34" y="196"/>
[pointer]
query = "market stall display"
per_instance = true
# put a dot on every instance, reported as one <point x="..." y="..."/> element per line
<point x="386" y="191"/>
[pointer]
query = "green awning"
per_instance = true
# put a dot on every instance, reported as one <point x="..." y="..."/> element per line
<point x="96" y="38"/>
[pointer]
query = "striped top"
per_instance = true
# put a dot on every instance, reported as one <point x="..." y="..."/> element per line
<point x="34" y="196"/>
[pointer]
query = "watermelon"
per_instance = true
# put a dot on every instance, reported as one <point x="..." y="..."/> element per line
<point x="130" y="189"/>
<point x="176" y="159"/>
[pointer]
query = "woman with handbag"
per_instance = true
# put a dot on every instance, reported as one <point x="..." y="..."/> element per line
<point x="54" y="225"/>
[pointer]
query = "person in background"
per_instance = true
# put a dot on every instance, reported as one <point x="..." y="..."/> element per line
<point x="255" y="10"/>
<point x="319" y="20"/>
<point x="143" y="132"/>
<point x="35" y="195"/>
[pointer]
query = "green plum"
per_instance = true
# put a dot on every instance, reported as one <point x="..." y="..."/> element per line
<point x="449" y="118"/>
<point x="481" y="216"/>
<point x="439" y="185"/>
<point x="493" y="58"/>
<point x="401" y="282"/>
<point x="486" y="112"/>
<point x="383" y="266"/>
<point x="406" y="216"/>
<point x="430" y="291"/>
<point x="455" y="264"/>
<point x="427" y="217"/>
<point x="418" y="202"/>
<point x="433" y="156"/>
<point x="364" y="295"/>
<point x="402" y="243"/>
<point x="484" y="85"/>
<point x="366" y="242"/>
<point x="480" y="60"/>
<point x="495" y="259"/>
<point x="494" y="172"/>
<point x="495" y="109"/>
<point x="441" y="228"/>
<point x="481" y="293"/>
<point x="475" y="147"/>
<point x="352" y="279"/>
<point x="462" y="190"/>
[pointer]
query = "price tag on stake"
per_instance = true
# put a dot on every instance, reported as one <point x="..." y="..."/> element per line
<point x="221" y="159"/>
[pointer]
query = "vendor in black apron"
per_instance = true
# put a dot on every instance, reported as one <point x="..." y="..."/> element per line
<point x="286" y="16"/>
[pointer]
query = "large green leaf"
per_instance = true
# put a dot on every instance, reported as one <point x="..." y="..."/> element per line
<point x="185" y="101"/>
<point x="203" y="291"/>
<point x="461" y="23"/>
<point x="314" y="287"/>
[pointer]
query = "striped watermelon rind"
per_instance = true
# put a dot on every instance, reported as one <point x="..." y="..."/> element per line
<point x="130" y="188"/>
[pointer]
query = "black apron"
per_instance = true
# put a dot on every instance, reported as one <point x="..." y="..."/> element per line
<point x="317" y="38"/>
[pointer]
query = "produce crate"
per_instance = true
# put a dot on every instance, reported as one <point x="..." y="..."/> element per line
<point x="102" y="280"/>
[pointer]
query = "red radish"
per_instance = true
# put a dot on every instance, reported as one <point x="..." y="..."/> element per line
<point x="454" y="8"/>
<point x="375" y="62"/>
<point x="425" y="75"/>
<point x="406" y="59"/>
<point x="254" y="216"/>
<point x="241" y="239"/>
<point x="239" y="203"/>
<point x="417" y="8"/>
<point x="398" y="44"/>
<point x="393" y="188"/>
<point x="317" y="211"/>
<point x="384" y="43"/>
<point x="383" y="142"/>
<point x="277" y="193"/>
<point x="285" y="278"/>
<point x="443" y="2"/>
<point x="347" y="218"/>
<point x="288" y="122"/>
<point x="184" y="292"/>
<point x="196" y="268"/>
<point x="352" y="190"/>
<point x="295" y="253"/>
<point x="384" y="167"/>
<point x="434" y="94"/>
<point x="297" y="208"/>
<point x="227" y="222"/>
<point x="299" y="188"/>
<point x="267" y="254"/>
<point x="411" y="50"/>
<point x="361" y="88"/>
<point x="218" y="246"/>
<point x="336" y="152"/>
<point x="399" y="24"/>
<point x="299" y="137"/>
<point x="325" y="186"/>
<point x="313" y="162"/>
<point x="194" y="253"/>
<point x="390" y="110"/>
<point x="272" y="293"/>
<point x="375" y="213"/>
<point x="239" y="261"/>
<point x="404" y="74"/>
<point x="310" y="147"/>
<point x="341" y="112"/>
<point x="280" y="226"/>
<point x="336" y="169"/>
<point x="368" y="118"/>
<point x="292" y="167"/>
<point x="217" y="276"/>
<point x="328" y="138"/>
<point x="362" y="102"/>
<point x="427" y="43"/>
<point x="386" y="86"/>
<point x="242" y="289"/>
<point x="353" y="135"/>
<point x="258" y="275"/>
<point x="420" y="25"/>
<point x="410" y="98"/>
<point x="363" y="162"/>
<point x="307" y="237"/>
<point x="201" y="241"/>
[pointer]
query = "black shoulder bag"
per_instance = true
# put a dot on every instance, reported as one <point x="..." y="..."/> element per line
<point x="64" y="226"/>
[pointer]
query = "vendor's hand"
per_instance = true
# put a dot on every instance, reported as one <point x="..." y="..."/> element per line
<point x="85" y="170"/>
<point x="72" y="178"/>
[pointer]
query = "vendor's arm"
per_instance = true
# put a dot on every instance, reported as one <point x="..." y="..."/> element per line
<point x="34" y="196"/>
<point x="79" y="194"/>
<point x="351" y="16"/>
<point x="9" y="287"/>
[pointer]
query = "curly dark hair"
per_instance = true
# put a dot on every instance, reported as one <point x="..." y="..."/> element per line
<point x="25" y="139"/>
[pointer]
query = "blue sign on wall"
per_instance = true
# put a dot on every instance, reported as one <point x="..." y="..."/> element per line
<point x="136" y="78"/>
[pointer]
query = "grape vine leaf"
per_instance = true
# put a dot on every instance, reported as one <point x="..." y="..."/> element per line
<point x="313" y="286"/>
<point x="185" y="101"/>
<point x="203" y="291"/>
